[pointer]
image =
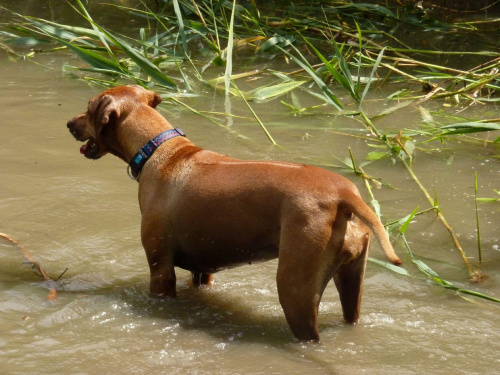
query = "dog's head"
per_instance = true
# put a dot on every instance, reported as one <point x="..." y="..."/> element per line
<point x="105" y="112"/>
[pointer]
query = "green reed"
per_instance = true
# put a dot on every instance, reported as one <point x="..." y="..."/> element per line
<point x="330" y="45"/>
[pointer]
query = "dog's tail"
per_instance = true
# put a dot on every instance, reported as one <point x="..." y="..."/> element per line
<point x="367" y="216"/>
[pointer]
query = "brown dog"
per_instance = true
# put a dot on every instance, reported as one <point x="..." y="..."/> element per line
<point x="205" y="212"/>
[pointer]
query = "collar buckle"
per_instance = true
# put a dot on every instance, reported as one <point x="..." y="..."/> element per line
<point x="130" y="175"/>
<point x="135" y="166"/>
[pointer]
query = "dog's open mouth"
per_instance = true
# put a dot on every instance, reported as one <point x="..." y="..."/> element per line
<point x="91" y="149"/>
<point x="88" y="146"/>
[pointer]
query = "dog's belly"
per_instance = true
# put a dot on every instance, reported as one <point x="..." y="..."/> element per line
<point x="223" y="227"/>
<point x="214" y="258"/>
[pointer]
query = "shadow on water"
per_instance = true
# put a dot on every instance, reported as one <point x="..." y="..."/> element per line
<point x="213" y="311"/>
<point x="226" y="317"/>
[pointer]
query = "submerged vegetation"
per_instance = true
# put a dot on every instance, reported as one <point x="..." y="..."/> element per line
<point x="328" y="47"/>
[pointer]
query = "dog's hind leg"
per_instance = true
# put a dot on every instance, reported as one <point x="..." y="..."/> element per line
<point x="303" y="273"/>
<point x="349" y="282"/>
<point x="299" y="299"/>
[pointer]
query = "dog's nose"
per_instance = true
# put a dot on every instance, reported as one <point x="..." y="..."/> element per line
<point x="69" y="124"/>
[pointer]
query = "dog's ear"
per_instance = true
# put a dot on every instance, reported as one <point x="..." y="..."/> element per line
<point x="148" y="96"/>
<point x="108" y="110"/>
<point x="103" y="110"/>
<point x="154" y="99"/>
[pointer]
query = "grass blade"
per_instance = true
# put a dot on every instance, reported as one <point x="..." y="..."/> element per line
<point x="180" y="23"/>
<point x="276" y="41"/>
<point x="477" y="219"/>
<point x="342" y="80"/>
<point x="229" y="51"/>
<point x="407" y="222"/>
<point x="269" y="136"/>
<point x="273" y="91"/>
<point x="465" y="128"/>
<point x="470" y="127"/>
<point x="390" y="266"/>
<point x="424" y="268"/>
<point x="344" y="67"/>
<point x="92" y="58"/>
<point x="98" y="32"/>
<point x="329" y="97"/>
<point x="375" y="67"/>
<point x="147" y="66"/>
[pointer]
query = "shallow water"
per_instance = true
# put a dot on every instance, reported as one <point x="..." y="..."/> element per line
<point x="83" y="216"/>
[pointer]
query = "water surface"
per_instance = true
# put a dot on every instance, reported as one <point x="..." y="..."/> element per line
<point x="83" y="216"/>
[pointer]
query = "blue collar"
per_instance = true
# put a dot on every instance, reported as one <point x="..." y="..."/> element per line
<point x="138" y="161"/>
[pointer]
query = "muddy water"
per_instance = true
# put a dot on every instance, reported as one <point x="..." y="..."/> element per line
<point x="83" y="216"/>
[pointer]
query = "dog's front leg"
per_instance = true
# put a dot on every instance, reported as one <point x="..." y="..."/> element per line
<point x="162" y="277"/>
<point x="161" y="265"/>
<point x="199" y="278"/>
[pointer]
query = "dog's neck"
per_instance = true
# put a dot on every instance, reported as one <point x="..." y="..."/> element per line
<point x="140" y="158"/>
<point x="131" y="136"/>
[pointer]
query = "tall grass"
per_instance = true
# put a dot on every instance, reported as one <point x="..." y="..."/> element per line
<point x="328" y="47"/>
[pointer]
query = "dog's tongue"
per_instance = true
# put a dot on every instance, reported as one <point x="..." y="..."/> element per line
<point x="86" y="146"/>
